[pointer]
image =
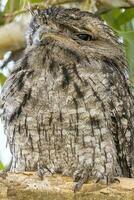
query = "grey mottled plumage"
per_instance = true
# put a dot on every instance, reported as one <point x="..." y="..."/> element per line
<point x="68" y="105"/>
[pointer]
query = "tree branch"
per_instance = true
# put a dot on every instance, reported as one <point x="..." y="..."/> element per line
<point x="12" y="36"/>
<point x="28" y="186"/>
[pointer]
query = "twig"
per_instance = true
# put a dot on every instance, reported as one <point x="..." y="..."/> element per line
<point x="130" y="2"/>
<point x="59" y="2"/>
<point x="41" y="5"/>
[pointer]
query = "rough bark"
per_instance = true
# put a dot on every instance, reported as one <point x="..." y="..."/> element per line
<point x="29" y="187"/>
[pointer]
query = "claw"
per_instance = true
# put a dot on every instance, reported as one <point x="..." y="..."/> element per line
<point x="116" y="180"/>
<point x="106" y="179"/>
<point x="81" y="177"/>
<point x="41" y="170"/>
<point x="78" y="186"/>
<point x="98" y="180"/>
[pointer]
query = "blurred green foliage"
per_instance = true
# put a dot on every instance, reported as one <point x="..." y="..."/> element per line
<point x="15" y="5"/>
<point x="1" y="166"/>
<point x="2" y="78"/>
<point x="122" y="21"/>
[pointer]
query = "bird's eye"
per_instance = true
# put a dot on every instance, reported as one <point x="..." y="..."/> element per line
<point x="85" y="37"/>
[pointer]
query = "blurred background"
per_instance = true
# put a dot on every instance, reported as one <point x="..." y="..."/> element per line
<point x="14" y="19"/>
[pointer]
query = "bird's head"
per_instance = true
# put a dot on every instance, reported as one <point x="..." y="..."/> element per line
<point x="71" y="29"/>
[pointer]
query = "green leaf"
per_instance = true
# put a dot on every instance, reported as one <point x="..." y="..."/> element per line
<point x="128" y="35"/>
<point x="12" y="5"/>
<point x="15" y="5"/>
<point x="119" y="19"/>
<point x="130" y="58"/>
<point x="126" y="16"/>
<point x="111" y="17"/>
<point x="123" y="24"/>
<point x="1" y="18"/>
<point x="2" y="78"/>
<point x="1" y="166"/>
<point x="35" y="1"/>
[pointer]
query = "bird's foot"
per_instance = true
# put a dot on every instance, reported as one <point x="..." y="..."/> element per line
<point x="42" y="170"/>
<point x="83" y="176"/>
<point x="107" y="179"/>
